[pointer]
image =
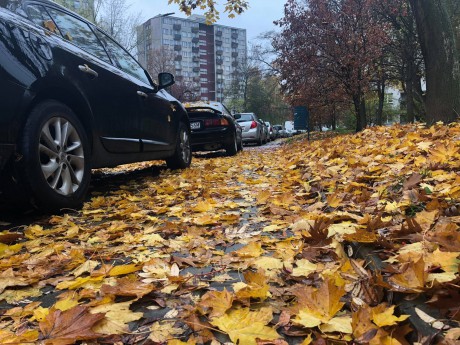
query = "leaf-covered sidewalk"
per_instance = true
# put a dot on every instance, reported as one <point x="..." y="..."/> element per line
<point x="348" y="239"/>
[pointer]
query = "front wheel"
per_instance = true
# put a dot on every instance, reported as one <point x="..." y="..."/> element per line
<point x="182" y="156"/>
<point x="55" y="167"/>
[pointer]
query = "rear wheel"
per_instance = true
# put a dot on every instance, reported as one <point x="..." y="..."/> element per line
<point x="260" y="140"/>
<point x="232" y="147"/>
<point x="182" y="156"/>
<point x="55" y="167"/>
<point x="240" y="144"/>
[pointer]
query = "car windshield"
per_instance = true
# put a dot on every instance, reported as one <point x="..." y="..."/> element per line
<point x="245" y="117"/>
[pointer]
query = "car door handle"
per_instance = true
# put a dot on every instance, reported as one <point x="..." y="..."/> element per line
<point x="142" y="94"/>
<point x="86" y="69"/>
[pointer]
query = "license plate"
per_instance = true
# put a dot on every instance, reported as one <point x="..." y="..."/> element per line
<point x="195" y="125"/>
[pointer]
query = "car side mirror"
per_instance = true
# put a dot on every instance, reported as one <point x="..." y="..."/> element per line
<point x="237" y="116"/>
<point x="164" y="80"/>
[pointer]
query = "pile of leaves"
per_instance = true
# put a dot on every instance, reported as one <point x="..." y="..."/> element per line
<point x="347" y="239"/>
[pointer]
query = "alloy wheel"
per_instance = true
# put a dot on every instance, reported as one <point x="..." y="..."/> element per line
<point x="185" y="146"/>
<point x="62" y="157"/>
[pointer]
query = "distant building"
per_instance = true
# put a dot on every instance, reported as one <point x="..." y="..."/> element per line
<point x="205" y="57"/>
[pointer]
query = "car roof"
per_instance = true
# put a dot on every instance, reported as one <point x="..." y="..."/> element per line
<point x="207" y="105"/>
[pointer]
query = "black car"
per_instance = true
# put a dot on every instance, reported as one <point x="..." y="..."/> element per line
<point x="73" y="99"/>
<point x="214" y="128"/>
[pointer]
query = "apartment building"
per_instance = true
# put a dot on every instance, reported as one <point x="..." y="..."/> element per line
<point x="206" y="59"/>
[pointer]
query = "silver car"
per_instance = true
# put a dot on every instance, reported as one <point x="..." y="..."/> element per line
<point x="253" y="131"/>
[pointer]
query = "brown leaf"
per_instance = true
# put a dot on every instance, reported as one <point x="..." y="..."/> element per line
<point x="127" y="287"/>
<point x="284" y="319"/>
<point x="60" y="328"/>
<point x="10" y="238"/>
<point x="412" y="181"/>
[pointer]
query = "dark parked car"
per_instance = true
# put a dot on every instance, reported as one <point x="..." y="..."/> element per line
<point x="73" y="99"/>
<point x="214" y="128"/>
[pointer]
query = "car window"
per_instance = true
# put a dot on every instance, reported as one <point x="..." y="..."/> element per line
<point x="122" y="58"/>
<point x="39" y="16"/>
<point x="79" y="33"/>
<point x="245" y="117"/>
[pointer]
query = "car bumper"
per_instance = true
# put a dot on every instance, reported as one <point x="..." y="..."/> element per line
<point x="251" y="135"/>
<point x="215" y="136"/>
<point x="6" y="151"/>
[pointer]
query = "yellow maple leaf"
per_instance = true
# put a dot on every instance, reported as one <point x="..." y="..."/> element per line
<point x="341" y="324"/>
<point x="382" y="315"/>
<point x="256" y="286"/>
<point x="26" y="337"/>
<point x="203" y="206"/>
<point x="244" y="326"/>
<point x="270" y="265"/>
<point x="320" y="305"/>
<point x="303" y="268"/>
<point x="123" y="269"/>
<point x="164" y="331"/>
<point x="334" y="200"/>
<point x="412" y="278"/>
<point x="65" y="304"/>
<point x="40" y="314"/>
<point x="251" y="250"/>
<point x="80" y="282"/>
<point x="218" y="301"/>
<point x="117" y="317"/>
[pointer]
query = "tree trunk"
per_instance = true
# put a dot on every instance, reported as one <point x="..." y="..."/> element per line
<point x="442" y="63"/>
<point x="411" y="70"/>
<point x="360" y="111"/>
<point x="381" y="93"/>
<point x="409" y="95"/>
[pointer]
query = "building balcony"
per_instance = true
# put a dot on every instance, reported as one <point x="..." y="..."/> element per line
<point x="177" y="48"/>
<point x="219" y="52"/>
<point x="219" y="71"/>
<point x="195" y="49"/>
<point x="234" y="54"/>
<point x="234" y="35"/>
<point x="234" y="45"/>
<point x="195" y="29"/>
<point x="235" y="63"/>
<point x="177" y="37"/>
<point x="195" y="40"/>
<point x="219" y="61"/>
<point x="196" y="69"/>
<point x="178" y="58"/>
<point x="218" y="33"/>
<point x="177" y="27"/>
<point x="196" y="59"/>
<point x="218" y="43"/>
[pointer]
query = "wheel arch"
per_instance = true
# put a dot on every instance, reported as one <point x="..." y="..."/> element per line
<point x="69" y="96"/>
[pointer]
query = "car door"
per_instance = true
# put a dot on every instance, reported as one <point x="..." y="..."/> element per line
<point x="157" y="121"/>
<point x="109" y="91"/>
<point x="155" y="110"/>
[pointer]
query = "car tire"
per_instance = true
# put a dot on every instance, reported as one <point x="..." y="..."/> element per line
<point x="232" y="147"/>
<point x="182" y="156"/>
<point x="54" y="169"/>
<point x="240" y="145"/>
<point x="260" y="141"/>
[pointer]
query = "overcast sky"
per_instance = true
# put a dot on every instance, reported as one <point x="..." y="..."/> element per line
<point x="256" y="20"/>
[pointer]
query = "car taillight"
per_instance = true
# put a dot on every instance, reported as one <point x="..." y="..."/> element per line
<point x="215" y="122"/>
<point x="253" y="124"/>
